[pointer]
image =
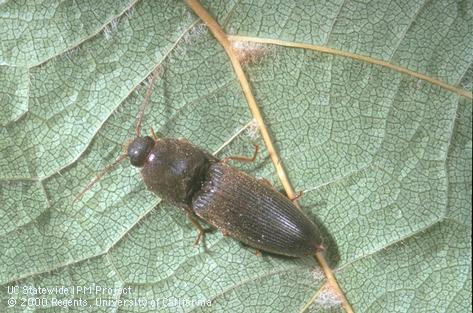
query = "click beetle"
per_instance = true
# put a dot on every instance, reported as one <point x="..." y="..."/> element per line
<point x="207" y="188"/>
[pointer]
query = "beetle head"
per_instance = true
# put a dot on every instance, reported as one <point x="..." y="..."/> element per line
<point x="139" y="149"/>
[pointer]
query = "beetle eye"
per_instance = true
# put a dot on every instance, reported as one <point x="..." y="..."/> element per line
<point x="139" y="149"/>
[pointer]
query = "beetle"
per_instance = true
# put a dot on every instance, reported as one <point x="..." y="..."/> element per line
<point x="207" y="188"/>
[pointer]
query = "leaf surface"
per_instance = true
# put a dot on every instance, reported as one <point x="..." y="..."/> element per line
<point x="384" y="158"/>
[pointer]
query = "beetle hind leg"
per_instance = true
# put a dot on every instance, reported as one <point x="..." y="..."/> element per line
<point x="265" y="181"/>
<point x="297" y="196"/>
<point x="201" y="235"/>
<point x="244" y="159"/>
<point x="202" y="230"/>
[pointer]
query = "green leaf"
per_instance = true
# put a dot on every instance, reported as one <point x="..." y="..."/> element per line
<point x="384" y="158"/>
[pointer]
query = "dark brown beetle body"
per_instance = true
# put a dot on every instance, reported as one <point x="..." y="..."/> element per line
<point x="175" y="170"/>
<point x="239" y="205"/>
<point x="254" y="212"/>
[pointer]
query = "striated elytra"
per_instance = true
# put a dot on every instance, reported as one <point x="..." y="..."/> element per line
<point x="237" y="204"/>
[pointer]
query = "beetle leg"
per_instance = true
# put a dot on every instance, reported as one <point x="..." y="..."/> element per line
<point x="320" y="248"/>
<point x="293" y="199"/>
<point x="202" y="230"/>
<point x="153" y="134"/>
<point x="267" y="182"/>
<point x="243" y="158"/>
<point x="297" y="197"/>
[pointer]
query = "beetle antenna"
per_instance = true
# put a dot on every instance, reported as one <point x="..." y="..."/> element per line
<point x="149" y="91"/>
<point x="104" y="172"/>
<point x="122" y="157"/>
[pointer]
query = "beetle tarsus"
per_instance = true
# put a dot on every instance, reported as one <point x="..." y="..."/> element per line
<point x="297" y="197"/>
